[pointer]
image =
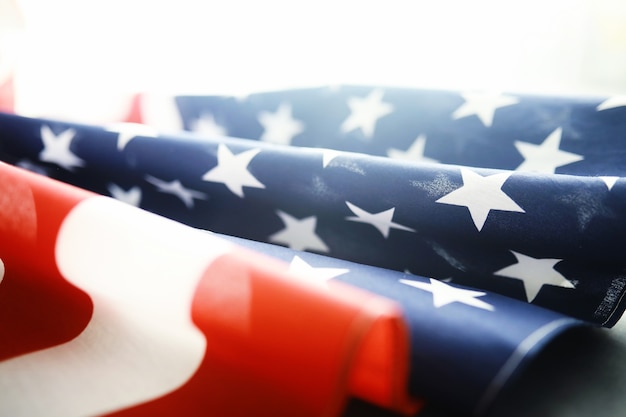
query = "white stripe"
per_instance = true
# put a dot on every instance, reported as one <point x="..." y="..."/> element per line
<point x="141" y="272"/>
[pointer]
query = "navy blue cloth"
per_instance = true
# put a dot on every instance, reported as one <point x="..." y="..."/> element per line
<point x="466" y="345"/>
<point x="512" y="194"/>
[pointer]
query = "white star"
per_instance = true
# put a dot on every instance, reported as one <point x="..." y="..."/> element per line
<point x="132" y="196"/>
<point x="382" y="221"/>
<point x="328" y="155"/>
<point x="481" y="195"/>
<point x="365" y="112"/>
<point x="612" y="102"/>
<point x="176" y="188"/>
<point x="57" y="148"/>
<point x="609" y="181"/>
<point x="414" y="153"/>
<point x="206" y="125"/>
<point x="444" y="294"/>
<point x="299" y="234"/>
<point x="128" y="131"/>
<point x="280" y="127"/>
<point x="546" y="157"/>
<point x="232" y="170"/>
<point x="483" y="105"/>
<point x="535" y="273"/>
<point x="301" y="267"/>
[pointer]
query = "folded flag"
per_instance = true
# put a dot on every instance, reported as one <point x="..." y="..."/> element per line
<point x="495" y="230"/>
<point x="125" y="313"/>
<point x="431" y="243"/>
<point x="465" y="344"/>
<point x="554" y="236"/>
<point x="109" y="310"/>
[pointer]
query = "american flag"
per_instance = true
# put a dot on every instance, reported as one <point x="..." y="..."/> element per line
<point x="428" y="243"/>
<point x="498" y="189"/>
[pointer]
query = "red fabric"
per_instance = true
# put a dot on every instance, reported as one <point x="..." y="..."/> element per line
<point x="7" y="96"/>
<point x="38" y="308"/>
<point x="276" y="345"/>
<point x="134" y="114"/>
<point x="295" y="355"/>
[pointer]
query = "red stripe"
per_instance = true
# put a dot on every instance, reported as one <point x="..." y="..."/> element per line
<point x="276" y="345"/>
<point x="134" y="114"/>
<point x="301" y="350"/>
<point x="7" y="96"/>
<point x="38" y="308"/>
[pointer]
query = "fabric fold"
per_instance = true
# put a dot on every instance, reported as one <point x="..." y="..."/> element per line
<point x="175" y="318"/>
<point x="466" y="345"/>
<point x="549" y="239"/>
<point x="428" y="244"/>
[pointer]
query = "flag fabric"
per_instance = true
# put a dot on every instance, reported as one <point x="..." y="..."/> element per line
<point x="555" y="211"/>
<point x="110" y="310"/>
<point x="465" y="344"/>
<point x="518" y="195"/>
<point x="402" y="281"/>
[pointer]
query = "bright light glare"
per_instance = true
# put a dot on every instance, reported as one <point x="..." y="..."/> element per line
<point x="81" y="48"/>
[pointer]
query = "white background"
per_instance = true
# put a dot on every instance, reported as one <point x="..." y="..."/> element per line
<point x="74" y="50"/>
